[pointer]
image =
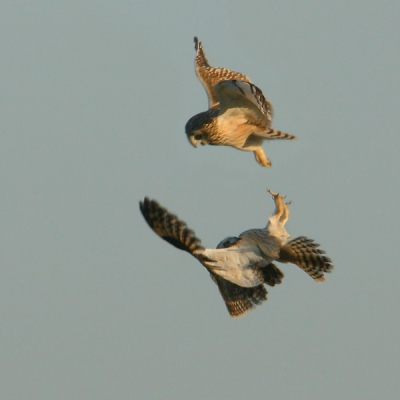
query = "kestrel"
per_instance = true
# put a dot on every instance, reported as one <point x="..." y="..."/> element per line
<point x="240" y="266"/>
<point x="238" y="116"/>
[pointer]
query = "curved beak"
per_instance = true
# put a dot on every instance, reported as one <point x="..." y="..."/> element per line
<point x="192" y="141"/>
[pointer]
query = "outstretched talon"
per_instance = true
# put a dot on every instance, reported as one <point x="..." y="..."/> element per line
<point x="279" y="206"/>
<point x="285" y="215"/>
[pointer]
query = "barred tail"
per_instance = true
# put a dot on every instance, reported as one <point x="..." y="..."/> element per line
<point x="275" y="134"/>
<point x="304" y="252"/>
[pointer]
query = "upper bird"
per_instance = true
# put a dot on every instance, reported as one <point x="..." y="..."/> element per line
<point x="240" y="266"/>
<point x="239" y="115"/>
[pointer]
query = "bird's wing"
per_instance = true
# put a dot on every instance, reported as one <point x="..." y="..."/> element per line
<point x="210" y="76"/>
<point x="272" y="274"/>
<point x="244" y="103"/>
<point x="170" y="228"/>
<point x="231" y="259"/>
<point x="239" y="264"/>
<point x="237" y="94"/>
<point x="239" y="300"/>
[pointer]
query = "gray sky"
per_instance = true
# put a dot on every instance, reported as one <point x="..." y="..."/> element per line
<point x="94" y="99"/>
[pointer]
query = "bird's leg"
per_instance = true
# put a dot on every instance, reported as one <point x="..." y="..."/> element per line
<point x="279" y="206"/>
<point x="285" y="215"/>
<point x="261" y="158"/>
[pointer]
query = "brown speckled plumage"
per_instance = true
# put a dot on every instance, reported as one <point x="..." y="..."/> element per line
<point x="238" y="116"/>
<point x="210" y="76"/>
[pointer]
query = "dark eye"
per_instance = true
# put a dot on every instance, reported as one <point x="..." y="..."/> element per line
<point x="198" y="136"/>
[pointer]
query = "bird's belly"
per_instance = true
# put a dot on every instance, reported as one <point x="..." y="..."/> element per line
<point x="235" y="266"/>
<point x="267" y="243"/>
<point x="234" y="131"/>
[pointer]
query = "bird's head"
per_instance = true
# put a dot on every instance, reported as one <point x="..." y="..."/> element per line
<point x="198" y="127"/>
<point x="196" y="138"/>
<point x="195" y="133"/>
<point x="227" y="242"/>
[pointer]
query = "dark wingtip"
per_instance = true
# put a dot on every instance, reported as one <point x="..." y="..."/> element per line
<point x="197" y="44"/>
<point x="144" y="204"/>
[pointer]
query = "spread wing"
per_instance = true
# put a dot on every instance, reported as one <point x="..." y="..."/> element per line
<point x="239" y="267"/>
<point x="169" y="227"/>
<point x="240" y="94"/>
<point x="240" y="300"/>
<point x="210" y="76"/>
<point x="244" y="102"/>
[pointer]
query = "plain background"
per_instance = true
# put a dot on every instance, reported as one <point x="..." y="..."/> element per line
<point x="94" y="99"/>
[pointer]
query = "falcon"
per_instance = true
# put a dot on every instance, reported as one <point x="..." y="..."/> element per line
<point x="238" y="116"/>
<point x="240" y="266"/>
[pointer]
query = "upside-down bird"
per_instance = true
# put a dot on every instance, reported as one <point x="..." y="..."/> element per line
<point x="240" y="266"/>
<point x="238" y="116"/>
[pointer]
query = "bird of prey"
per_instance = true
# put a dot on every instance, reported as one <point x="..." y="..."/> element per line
<point x="238" y="116"/>
<point x="240" y="266"/>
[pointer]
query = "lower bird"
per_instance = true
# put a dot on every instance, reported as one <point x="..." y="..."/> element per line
<point x="240" y="266"/>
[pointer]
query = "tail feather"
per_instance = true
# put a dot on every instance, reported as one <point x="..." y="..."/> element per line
<point x="273" y="134"/>
<point x="304" y="252"/>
